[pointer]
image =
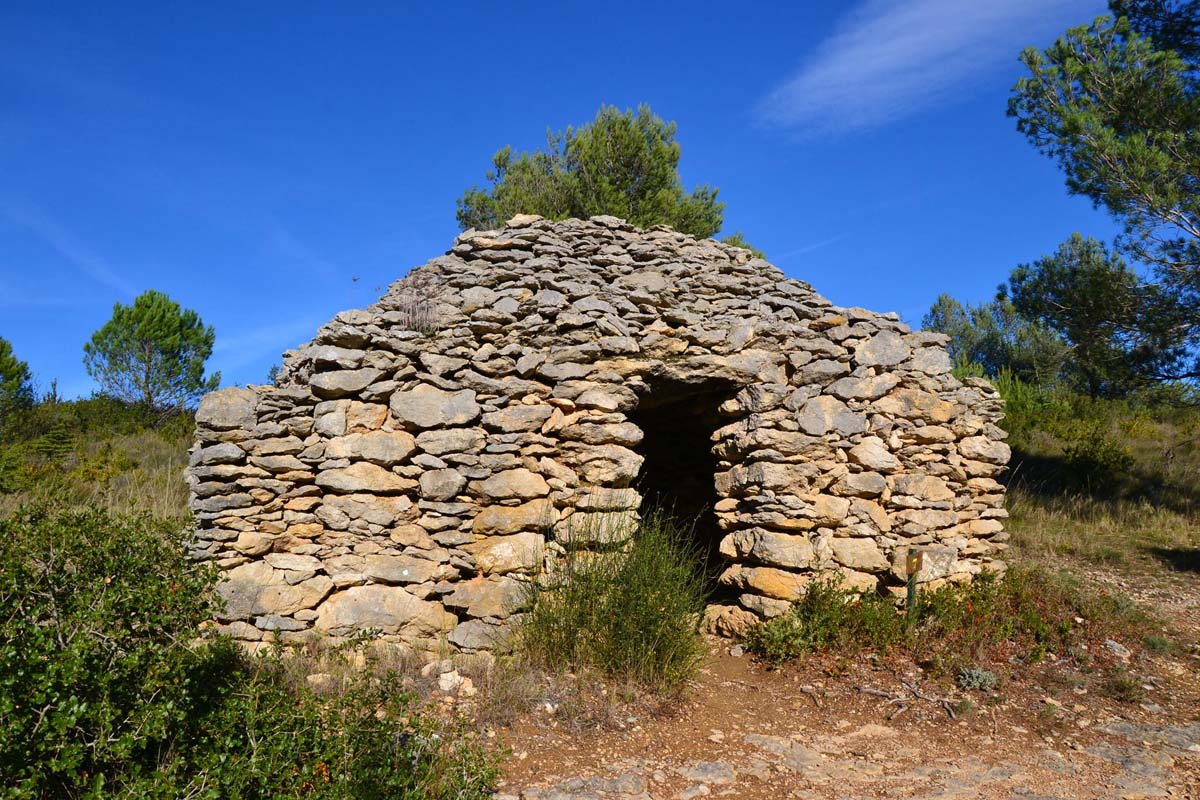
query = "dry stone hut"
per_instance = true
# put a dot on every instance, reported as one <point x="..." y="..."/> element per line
<point x="421" y="460"/>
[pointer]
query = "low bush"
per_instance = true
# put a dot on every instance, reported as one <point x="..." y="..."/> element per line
<point x="633" y="615"/>
<point x="252" y="734"/>
<point x="1018" y="618"/>
<point x="976" y="679"/>
<point x="827" y="617"/>
<point x="93" y="641"/>
<point x="106" y="692"/>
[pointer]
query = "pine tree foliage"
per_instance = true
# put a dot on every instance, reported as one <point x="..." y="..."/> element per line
<point x="1116" y="104"/>
<point x="152" y="352"/>
<point x="623" y="163"/>
<point x="16" y="383"/>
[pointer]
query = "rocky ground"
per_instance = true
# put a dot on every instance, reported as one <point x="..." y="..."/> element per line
<point x="829" y="729"/>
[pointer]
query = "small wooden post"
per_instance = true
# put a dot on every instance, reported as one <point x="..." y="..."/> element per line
<point x="912" y="565"/>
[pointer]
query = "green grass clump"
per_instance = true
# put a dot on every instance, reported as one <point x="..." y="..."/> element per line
<point x="1138" y="536"/>
<point x="1022" y="616"/>
<point x="95" y="452"/>
<point x="105" y="690"/>
<point x="632" y="615"/>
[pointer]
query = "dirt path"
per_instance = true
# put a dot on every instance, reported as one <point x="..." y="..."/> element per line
<point x="812" y="732"/>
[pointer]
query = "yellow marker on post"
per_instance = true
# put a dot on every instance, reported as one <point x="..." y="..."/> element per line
<point x="912" y="565"/>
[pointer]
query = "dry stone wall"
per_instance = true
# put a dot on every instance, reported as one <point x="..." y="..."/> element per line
<point x="421" y="460"/>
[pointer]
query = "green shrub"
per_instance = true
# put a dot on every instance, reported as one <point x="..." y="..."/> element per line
<point x="97" y="613"/>
<point x="106" y="692"/>
<point x="827" y="617"/>
<point x="1155" y="643"/>
<point x="633" y="615"/>
<point x="1025" y="615"/>
<point x="977" y="679"/>
<point x="1095" y="460"/>
<point x="251" y="734"/>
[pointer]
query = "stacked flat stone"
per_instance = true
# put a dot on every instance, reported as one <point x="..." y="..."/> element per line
<point x="422" y="460"/>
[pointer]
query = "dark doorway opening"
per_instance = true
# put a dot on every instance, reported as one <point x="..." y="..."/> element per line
<point x="677" y="421"/>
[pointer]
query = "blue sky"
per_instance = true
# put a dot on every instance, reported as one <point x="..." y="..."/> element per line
<point x="270" y="164"/>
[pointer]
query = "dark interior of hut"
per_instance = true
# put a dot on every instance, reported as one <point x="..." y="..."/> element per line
<point x="678" y="420"/>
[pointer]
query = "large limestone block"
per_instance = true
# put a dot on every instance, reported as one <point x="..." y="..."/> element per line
<point x="223" y="502"/>
<point x="777" y="583"/>
<point x="441" y="484"/>
<point x="363" y="477"/>
<point x="854" y="581"/>
<point x="599" y="498"/>
<point x="379" y="447"/>
<point x="820" y="372"/>
<point x="859" y="554"/>
<point x="536" y="515"/>
<point x="746" y="366"/>
<point x="343" y="382"/>
<point x="608" y="398"/>
<point x="363" y="417"/>
<point x="766" y="607"/>
<point x="861" y="484"/>
<point x="863" y="388"/>
<point x="283" y="446"/>
<point x="451" y="440"/>
<point x="872" y="511"/>
<point x="609" y="465"/>
<point x="427" y="406"/>
<point x="517" y="419"/>
<point x="826" y="414"/>
<point x="873" y="454"/>
<point x="931" y="361"/>
<point x="475" y="634"/>
<point x="928" y="488"/>
<point x="936" y="562"/>
<point x="788" y="478"/>
<point x="496" y="555"/>
<point x="907" y="403"/>
<point x="327" y="356"/>
<point x="728" y="621"/>
<point x="339" y="511"/>
<point x="253" y="543"/>
<point x="391" y="609"/>
<point x="388" y="568"/>
<point x="768" y="547"/>
<point x="498" y="598"/>
<point x="825" y="509"/>
<point x="514" y="483"/>
<point x="884" y="349"/>
<point x="623" y="433"/>
<point x="329" y="417"/>
<point x="981" y="448"/>
<point x="223" y="453"/>
<point x="297" y="567"/>
<point x="228" y="409"/>
<point x="257" y="588"/>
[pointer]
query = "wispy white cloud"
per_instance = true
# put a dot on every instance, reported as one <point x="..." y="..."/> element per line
<point x="890" y="58"/>
<point x="288" y="245"/>
<point x="67" y="245"/>
<point x="12" y="296"/>
<point x="808" y="248"/>
<point x="244" y="348"/>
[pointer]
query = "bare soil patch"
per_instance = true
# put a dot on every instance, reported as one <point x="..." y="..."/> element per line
<point x="833" y="727"/>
